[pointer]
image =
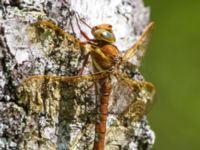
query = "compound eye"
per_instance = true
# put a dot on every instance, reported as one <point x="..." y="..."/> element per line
<point x="104" y="35"/>
<point x="107" y="35"/>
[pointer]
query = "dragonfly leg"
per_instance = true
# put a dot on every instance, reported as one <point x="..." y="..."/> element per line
<point x="84" y="64"/>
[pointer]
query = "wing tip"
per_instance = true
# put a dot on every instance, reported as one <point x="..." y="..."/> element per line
<point x="151" y="25"/>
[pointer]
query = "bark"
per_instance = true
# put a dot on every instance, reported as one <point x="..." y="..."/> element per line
<point x="51" y="115"/>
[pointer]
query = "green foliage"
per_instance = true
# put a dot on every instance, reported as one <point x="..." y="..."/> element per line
<point x="172" y="64"/>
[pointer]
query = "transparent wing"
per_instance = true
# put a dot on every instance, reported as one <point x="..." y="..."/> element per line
<point x="69" y="101"/>
<point x="131" y="98"/>
<point x="75" y="79"/>
<point x="137" y="51"/>
<point x="74" y="96"/>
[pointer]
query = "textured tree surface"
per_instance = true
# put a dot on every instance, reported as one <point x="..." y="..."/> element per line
<point x="53" y="115"/>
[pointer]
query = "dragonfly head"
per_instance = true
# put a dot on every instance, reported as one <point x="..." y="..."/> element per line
<point x="104" y="32"/>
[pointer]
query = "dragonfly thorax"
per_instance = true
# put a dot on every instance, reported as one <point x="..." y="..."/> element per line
<point x="106" y="57"/>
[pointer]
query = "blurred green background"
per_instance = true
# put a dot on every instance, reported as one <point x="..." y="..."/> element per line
<point x="172" y="63"/>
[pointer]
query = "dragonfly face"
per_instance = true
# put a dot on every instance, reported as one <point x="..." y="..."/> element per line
<point x="104" y="33"/>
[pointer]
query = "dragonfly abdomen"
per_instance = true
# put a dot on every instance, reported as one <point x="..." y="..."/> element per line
<point x="102" y="114"/>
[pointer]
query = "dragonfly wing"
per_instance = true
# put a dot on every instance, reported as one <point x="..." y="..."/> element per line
<point x="73" y="96"/>
<point x="137" y="51"/>
<point x="131" y="98"/>
<point x="67" y="103"/>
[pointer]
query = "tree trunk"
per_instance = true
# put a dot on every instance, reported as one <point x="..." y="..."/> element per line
<point x="52" y="115"/>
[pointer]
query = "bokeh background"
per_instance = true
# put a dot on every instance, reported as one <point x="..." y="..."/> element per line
<point x="172" y="63"/>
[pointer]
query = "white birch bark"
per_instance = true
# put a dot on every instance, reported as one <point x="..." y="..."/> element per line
<point x="30" y="124"/>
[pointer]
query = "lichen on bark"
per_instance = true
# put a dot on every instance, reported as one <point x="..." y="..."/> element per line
<point x="59" y="115"/>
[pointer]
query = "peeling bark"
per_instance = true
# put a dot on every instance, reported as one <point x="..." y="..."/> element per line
<point x="55" y="115"/>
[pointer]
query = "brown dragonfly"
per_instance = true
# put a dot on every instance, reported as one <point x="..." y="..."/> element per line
<point x="120" y="92"/>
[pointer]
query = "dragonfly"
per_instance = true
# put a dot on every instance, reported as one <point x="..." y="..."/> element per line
<point x="119" y="92"/>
